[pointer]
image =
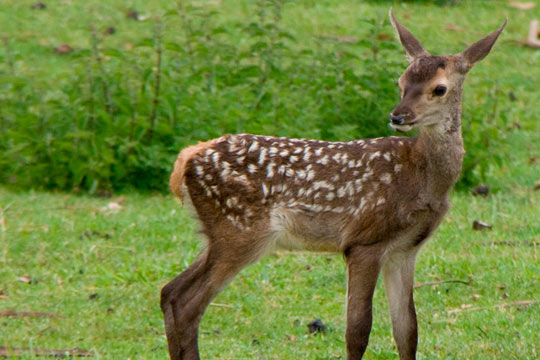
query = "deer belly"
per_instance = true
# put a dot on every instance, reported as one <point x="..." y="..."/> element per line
<point x="294" y="229"/>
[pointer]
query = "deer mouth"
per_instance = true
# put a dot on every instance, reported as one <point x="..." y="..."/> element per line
<point x="402" y="127"/>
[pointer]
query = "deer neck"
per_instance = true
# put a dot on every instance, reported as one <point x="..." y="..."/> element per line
<point x="440" y="148"/>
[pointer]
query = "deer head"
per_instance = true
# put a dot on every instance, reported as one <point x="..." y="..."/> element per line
<point x="431" y="86"/>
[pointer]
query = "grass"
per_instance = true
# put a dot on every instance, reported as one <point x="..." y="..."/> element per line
<point x="71" y="248"/>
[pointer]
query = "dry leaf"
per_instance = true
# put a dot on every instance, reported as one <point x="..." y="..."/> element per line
<point x="63" y="49"/>
<point x="482" y="190"/>
<point x="480" y="225"/>
<point x="522" y="5"/>
<point x="468" y="307"/>
<point x="453" y="27"/>
<point x="291" y="337"/>
<point x="39" y="6"/>
<point x="537" y="185"/>
<point x="19" y="352"/>
<point x="25" y="279"/>
<point x="112" y="208"/>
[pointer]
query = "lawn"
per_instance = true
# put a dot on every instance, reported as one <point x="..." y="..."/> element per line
<point x="96" y="265"/>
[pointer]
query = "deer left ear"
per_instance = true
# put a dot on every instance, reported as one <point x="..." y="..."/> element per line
<point x="413" y="48"/>
<point x="480" y="49"/>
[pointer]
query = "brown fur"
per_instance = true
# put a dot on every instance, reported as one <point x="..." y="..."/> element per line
<point x="177" y="176"/>
<point x="376" y="201"/>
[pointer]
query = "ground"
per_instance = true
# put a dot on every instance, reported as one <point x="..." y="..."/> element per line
<point x="99" y="267"/>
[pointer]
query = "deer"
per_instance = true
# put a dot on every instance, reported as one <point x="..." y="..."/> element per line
<point x="376" y="201"/>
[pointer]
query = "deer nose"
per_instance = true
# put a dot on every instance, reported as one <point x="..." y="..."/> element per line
<point x="397" y="119"/>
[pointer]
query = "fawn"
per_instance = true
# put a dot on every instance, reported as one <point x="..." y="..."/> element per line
<point x="374" y="200"/>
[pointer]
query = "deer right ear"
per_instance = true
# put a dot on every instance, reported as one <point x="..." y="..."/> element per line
<point x="480" y="49"/>
<point x="413" y="48"/>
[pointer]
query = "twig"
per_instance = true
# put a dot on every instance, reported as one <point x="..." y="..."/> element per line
<point x="7" y="351"/>
<point x="157" y="79"/>
<point x="222" y="305"/>
<point x="433" y="283"/>
<point x="27" y="314"/>
<point x="9" y="55"/>
<point x="512" y="243"/>
<point x="534" y="31"/>
<point x="101" y="68"/>
<point x="523" y="303"/>
<point x="338" y="38"/>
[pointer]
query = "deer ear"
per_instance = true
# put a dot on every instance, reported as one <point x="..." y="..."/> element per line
<point x="480" y="49"/>
<point x="413" y="48"/>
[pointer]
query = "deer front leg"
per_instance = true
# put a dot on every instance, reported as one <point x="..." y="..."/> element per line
<point x="398" y="273"/>
<point x="363" y="266"/>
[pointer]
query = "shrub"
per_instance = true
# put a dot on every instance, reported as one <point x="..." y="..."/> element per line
<point x="119" y="118"/>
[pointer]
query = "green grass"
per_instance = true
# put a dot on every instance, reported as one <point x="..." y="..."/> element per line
<point x="72" y="249"/>
<point x="71" y="121"/>
<point x="264" y="312"/>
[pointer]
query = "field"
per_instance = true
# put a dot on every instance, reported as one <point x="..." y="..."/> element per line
<point x="94" y="266"/>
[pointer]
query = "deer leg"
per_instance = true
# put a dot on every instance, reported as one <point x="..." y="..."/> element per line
<point x="185" y="299"/>
<point x="398" y="271"/>
<point x="171" y="293"/>
<point x="363" y="266"/>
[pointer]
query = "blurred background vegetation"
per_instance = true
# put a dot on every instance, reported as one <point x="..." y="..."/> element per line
<point x="100" y="96"/>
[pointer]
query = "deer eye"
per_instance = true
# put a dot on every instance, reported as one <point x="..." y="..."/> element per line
<point x="440" y="90"/>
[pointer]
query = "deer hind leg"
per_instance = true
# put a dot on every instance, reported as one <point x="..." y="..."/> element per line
<point x="398" y="271"/>
<point x="184" y="300"/>
<point x="363" y="267"/>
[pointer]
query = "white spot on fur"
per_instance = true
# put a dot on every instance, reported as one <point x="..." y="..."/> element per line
<point x="336" y="157"/>
<point x="323" y="160"/>
<point x="380" y="201"/>
<point x="270" y="170"/>
<point x="386" y="178"/>
<point x="262" y="156"/>
<point x="298" y="150"/>
<point x="374" y="155"/>
<point x="284" y="153"/>
<point x="386" y="156"/>
<point x="344" y="159"/>
<point x="322" y="185"/>
<point x="307" y="155"/>
<point x="293" y="159"/>
<point x="253" y="147"/>
<point x="310" y="175"/>
<point x="397" y="168"/>
<point x="242" y="179"/>
<point x="330" y="196"/>
<point x="319" y="151"/>
<point x="215" y="158"/>
<point x="273" y="151"/>
<point x="265" y="190"/>
<point x="252" y="168"/>
<point x="289" y="172"/>
<point x="240" y="160"/>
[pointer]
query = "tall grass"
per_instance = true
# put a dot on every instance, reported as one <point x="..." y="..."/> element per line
<point x="118" y="119"/>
